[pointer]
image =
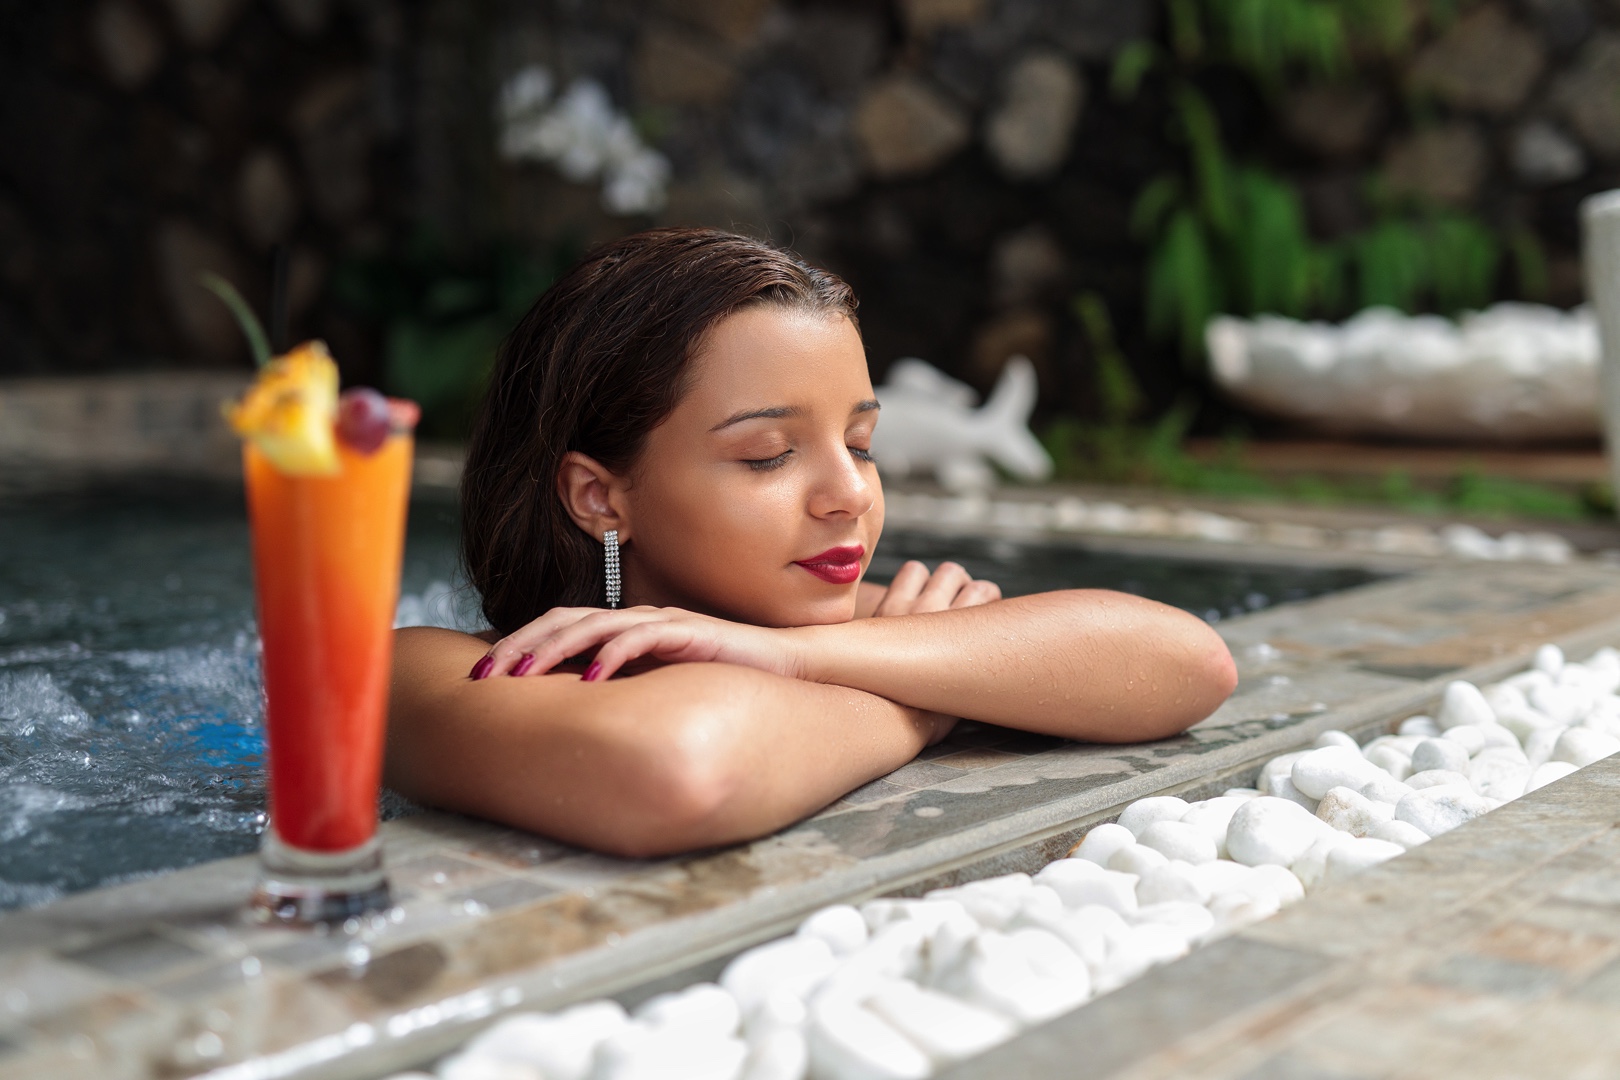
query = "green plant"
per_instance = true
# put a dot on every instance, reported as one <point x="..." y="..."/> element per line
<point x="443" y="318"/>
<point x="1225" y="236"/>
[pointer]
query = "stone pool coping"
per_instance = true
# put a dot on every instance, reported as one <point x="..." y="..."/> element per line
<point x="163" y="978"/>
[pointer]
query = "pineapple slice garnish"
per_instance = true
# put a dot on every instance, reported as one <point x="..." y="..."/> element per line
<point x="290" y="409"/>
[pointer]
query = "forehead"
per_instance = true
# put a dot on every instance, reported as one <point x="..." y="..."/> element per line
<point x="768" y="355"/>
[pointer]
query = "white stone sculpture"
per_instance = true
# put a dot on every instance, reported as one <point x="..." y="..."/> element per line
<point x="929" y="425"/>
<point x="1514" y="372"/>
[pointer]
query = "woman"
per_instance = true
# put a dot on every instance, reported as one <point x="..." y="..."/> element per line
<point x="703" y="400"/>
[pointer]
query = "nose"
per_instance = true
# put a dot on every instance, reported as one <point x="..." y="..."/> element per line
<point x="842" y="487"/>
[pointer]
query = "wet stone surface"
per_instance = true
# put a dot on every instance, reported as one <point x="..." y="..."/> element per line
<point x="164" y="977"/>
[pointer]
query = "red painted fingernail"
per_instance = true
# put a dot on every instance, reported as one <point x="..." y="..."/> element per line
<point x="593" y="672"/>
<point x="525" y="662"/>
<point x="480" y="670"/>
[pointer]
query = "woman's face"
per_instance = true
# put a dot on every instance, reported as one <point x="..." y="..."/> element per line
<point x="757" y="499"/>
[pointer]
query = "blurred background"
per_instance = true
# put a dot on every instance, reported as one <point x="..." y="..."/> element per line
<point x="1084" y="182"/>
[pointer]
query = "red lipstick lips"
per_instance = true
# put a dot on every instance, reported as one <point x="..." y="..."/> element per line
<point x="836" y="566"/>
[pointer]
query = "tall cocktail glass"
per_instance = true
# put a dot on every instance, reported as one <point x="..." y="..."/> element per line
<point x="326" y="562"/>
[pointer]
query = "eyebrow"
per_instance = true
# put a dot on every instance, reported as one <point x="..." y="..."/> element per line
<point x="778" y="412"/>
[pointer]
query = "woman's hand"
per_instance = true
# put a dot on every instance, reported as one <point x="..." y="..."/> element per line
<point x="914" y="590"/>
<point x="620" y="636"/>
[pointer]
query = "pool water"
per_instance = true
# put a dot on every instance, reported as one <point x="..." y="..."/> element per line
<point x="131" y="737"/>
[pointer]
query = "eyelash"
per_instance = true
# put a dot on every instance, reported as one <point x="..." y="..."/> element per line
<point x="767" y="464"/>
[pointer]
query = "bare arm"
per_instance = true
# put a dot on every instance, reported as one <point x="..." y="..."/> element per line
<point x="1080" y="663"/>
<point x="1085" y="664"/>
<point x="677" y="758"/>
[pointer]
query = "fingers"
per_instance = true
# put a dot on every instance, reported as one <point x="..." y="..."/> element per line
<point x="903" y="590"/>
<point x="544" y="643"/>
<point x="941" y="591"/>
<point x="975" y="593"/>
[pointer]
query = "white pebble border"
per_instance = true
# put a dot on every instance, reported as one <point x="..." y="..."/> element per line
<point x="900" y="987"/>
<point x="1070" y="514"/>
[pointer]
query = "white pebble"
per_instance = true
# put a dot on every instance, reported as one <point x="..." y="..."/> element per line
<point x="1352" y="812"/>
<point x="1358" y="855"/>
<point x="637" y="1053"/>
<point x="703" y="1010"/>
<point x="1334" y="737"/>
<point x="1311" y="865"/>
<point x="781" y="1054"/>
<point x="1144" y="812"/>
<point x="1470" y="738"/>
<point x="797" y="964"/>
<point x="999" y="972"/>
<point x="1462" y="704"/>
<point x="992" y="901"/>
<point x="1384" y="788"/>
<point x="1234" y="911"/>
<point x="1391" y="760"/>
<point x="1213" y="817"/>
<point x="1432" y="778"/>
<point x="1137" y="859"/>
<point x="1176" y="881"/>
<point x="1432" y="754"/>
<point x="840" y="926"/>
<point x="1077" y="886"/>
<point x="781" y="1009"/>
<point x="1498" y="737"/>
<point x="1224" y="876"/>
<point x="1399" y="832"/>
<point x="1549" y="658"/>
<point x="1101" y="842"/>
<point x="1192" y="921"/>
<point x="1419" y="725"/>
<point x="847" y="1040"/>
<point x="1270" y="830"/>
<point x="1179" y="840"/>
<point x="1539" y="745"/>
<point x="560" y="1046"/>
<point x="1438" y="810"/>
<point x="1144" y="947"/>
<point x="470" y="1066"/>
<point x="1547" y="773"/>
<point x="1582" y="746"/>
<point x="1283" y="787"/>
<point x="1241" y="793"/>
<point x="1281" y="766"/>
<point x="1561" y="704"/>
<point x="1331" y="767"/>
<point x="1277" y="882"/>
<point x="941" y="1026"/>
<point x="1498" y="776"/>
<point x="1523" y="721"/>
<point x="1526" y="681"/>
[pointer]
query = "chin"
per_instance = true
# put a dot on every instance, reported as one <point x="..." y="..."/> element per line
<point x="820" y="612"/>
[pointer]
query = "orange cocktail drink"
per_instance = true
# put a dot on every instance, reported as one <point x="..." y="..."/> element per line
<point x="328" y="482"/>
<point x="326" y="561"/>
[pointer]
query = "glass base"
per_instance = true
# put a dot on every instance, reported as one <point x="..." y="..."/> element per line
<point x="302" y="888"/>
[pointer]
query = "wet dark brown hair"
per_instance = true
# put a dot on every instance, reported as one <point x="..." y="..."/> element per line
<point x="595" y="365"/>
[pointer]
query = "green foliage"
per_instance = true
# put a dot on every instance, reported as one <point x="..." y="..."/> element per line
<point x="242" y="311"/>
<point x="1232" y="237"/>
<point x="443" y="319"/>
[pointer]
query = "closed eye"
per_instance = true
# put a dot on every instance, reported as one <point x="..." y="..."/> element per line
<point x="859" y="454"/>
<point x="767" y="464"/>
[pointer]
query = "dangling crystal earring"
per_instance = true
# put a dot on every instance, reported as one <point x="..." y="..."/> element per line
<point x="610" y="551"/>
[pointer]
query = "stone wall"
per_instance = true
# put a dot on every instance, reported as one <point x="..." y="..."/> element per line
<point x="963" y="162"/>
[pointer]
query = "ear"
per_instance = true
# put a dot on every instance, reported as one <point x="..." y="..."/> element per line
<point x="593" y="495"/>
